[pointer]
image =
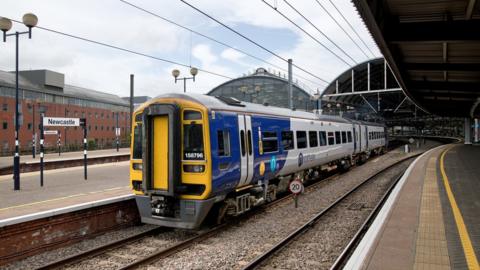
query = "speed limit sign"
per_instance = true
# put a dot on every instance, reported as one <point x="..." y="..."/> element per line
<point x="296" y="187"/>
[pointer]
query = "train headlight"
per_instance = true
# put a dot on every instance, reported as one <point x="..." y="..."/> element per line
<point x="194" y="168"/>
<point x="137" y="166"/>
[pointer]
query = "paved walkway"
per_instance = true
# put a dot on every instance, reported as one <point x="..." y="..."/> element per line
<point x="8" y="161"/>
<point x="62" y="187"/>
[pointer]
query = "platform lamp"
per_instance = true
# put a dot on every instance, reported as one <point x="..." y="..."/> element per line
<point x="176" y="73"/>
<point x="30" y="21"/>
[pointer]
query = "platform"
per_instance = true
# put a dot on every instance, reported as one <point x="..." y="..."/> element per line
<point x="431" y="220"/>
<point x="62" y="187"/>
<point x="8" y="161"/>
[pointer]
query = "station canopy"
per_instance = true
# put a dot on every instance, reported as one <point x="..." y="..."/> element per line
<point x="433" y="48"/>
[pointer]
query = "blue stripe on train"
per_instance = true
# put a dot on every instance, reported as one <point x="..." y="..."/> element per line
<point x="226" y="169"/>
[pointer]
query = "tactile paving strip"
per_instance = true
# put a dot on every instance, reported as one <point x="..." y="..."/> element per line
<point x="431" y="245"/>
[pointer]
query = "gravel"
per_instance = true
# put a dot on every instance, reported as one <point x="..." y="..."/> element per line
<point x="319" y="247"/>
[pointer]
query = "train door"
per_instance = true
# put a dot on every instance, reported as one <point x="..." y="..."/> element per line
<point x="366" y="137"/>
<point x="354" y="139"/>
<point x="246" y="149"/>
<point x="359" y="138"/>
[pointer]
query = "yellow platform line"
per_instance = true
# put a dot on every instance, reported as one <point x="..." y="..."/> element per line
<point x="470" y="256"/>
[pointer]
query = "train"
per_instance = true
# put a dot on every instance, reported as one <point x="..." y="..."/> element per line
<point x="194" y="155"/>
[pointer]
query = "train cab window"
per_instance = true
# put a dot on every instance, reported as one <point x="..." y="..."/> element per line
<point x="242" y="142"/>
<point x="269" y="141"/>
<point x="349" y="136"/>
<point x="313" y="138"/>
<point x="344" y="137"/>
<point x="137" y="142"/>
<point x="193" y="142"/>
<point x="287" y="140"/>
<point x="301" y="139"/>
<point x="192" y="115"/>
<point x="323" y="138"/>
<point x="223" y="139"/>
<point x="331" y="138"/>
<point x="338" y="139"/>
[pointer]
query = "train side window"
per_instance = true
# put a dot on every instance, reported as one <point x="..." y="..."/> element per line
<point x="349" y="136"/>
<point x="242" y="142"/>
<point x="344" y="137"/>
<point x="269" y="141"/>
<point x="287" y="140"/>
<point x="223" y="139"/>
<point x="331" y="138"/>
<point x="338" y="139"/>
<point x="323" y="138"/>
<point x="301" y="139"/>
<point x="137" y="142"/>
<point x="313" y="138"/>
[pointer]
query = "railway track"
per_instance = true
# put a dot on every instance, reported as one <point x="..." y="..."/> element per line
<point x="165" y="252"/>
<point x="262" y="259"/>
<point x="176" y="246"/>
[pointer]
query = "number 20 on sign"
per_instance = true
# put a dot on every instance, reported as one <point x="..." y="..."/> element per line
<point x="296" y="187"/>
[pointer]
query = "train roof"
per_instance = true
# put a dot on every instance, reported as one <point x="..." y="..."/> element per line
<point x="230" y="104"/>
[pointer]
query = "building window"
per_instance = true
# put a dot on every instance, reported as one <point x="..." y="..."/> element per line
<point x="287" y="140"/>
<point x="29" y="126"/>
<point x="301" y="139"/>
<point x="96" y="128"/>
<point x="5" y="125"/>
<point x="5" y="107"/>
<point x="83" y="114"/>
<point x="102" y="115"/>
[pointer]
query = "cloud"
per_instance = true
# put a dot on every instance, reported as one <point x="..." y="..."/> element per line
<point x="232" y="55"/>
<point x="110" y="21"/>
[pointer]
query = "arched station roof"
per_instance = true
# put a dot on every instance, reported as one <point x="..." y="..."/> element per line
<point x="433" y="48"/>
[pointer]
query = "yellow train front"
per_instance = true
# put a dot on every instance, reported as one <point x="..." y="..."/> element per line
<point x="171" y="190"/>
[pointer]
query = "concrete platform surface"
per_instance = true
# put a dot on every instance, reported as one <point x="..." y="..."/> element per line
<point x="431" y="220"/>
<point x="62" y="187"/>
<point x="8" y="161"/>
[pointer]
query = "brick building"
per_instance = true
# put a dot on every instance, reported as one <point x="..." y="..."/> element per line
<point x="45" y="91"/>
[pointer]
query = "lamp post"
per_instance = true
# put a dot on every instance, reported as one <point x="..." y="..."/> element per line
<point x="176" y="73"/>
<point x="30" y="21"/>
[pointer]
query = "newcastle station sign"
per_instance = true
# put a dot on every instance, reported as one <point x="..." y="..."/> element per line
<point x="61" y="122"/>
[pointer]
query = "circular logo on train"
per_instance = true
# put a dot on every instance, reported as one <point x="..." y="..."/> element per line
<point x="300" y="159"/>
<point x="262" y="168"/>
<point x="273" y="164"/>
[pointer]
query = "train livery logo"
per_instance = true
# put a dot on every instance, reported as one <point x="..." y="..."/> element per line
<point x="261" y="169"/>
<point x="273" y="163"/>
<point x="300" y="160"/>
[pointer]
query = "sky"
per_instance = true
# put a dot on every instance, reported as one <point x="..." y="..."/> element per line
<point x="116" y="23"/>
